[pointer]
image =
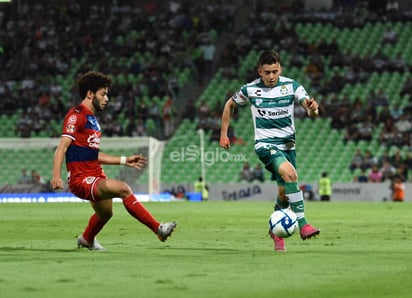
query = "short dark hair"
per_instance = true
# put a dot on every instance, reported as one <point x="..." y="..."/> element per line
<point x="269" y="57"/>
<point x="93" y="81"/>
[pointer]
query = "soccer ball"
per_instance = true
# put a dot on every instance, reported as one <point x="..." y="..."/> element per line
<point x="283" y="223"/>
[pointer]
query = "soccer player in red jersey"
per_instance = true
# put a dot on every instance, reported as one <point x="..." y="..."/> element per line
<point x="79" y="144"/>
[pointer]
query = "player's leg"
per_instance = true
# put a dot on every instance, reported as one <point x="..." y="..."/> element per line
<point x="295" y="196"/>
<point x="267" y="158"/>
<point x="109" y="188"/>
<point x="281" y="200"/>
<point x="103" y="213"/>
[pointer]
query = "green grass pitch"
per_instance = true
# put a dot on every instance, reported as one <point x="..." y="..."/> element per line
<point x="220" y="249"/>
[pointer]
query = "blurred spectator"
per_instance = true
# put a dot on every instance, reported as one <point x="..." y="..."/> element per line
<point x="246" y="173"/>
<point x="139" y="129"/>
<point x="142" y="112"/>
<point x="408" y="160"/>
<point x="24" y="126"/>
<point x="201" y="187"/>
<point x="369" y="160"/>
<point x="325" y="187"/>
<point x="365" y="129"/>
<point x="388" y="171"/>
<point x="208" y="51"/>
<point x="357" y="160"/>
<point x="403" y="124"/>
<point x="392" y="8"/>
<point x="168" y="113"/>
<point x="258" y="173"/>
<point x="389" y="36"/>
<point x="397" y="63"/>
<point x="154" y="113"/>
<point x="24" y="178"/>
<point x="389" y="135"/>
<point x="189" y="111"/>
<point x="371" y="112"/>
<point x="375" y="175"/>
<point x="385" y="157"/>
<point x="36" y="178"/>
<point x="398" y="189"/>
<point x="402" y="172"/>
<point x="362" y="177"/>
<point x="381" y="98"/>
<point x="396" y="111"/>
<point x="357" y="112"/>
<point x="202" y="114"/>
<point x="351" y="133"/>
<point x="396" y="159"/>
<point x="407" y="86"/>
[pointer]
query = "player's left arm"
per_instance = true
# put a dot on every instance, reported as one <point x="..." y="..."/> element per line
<point x="311" y="107"/>
<point x="136" y="161"/>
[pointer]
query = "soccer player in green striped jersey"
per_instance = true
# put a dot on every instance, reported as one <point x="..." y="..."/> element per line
<point x="271" y="98"/>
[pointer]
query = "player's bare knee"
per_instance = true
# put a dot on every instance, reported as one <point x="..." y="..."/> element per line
<point x="290" y="177"/>
<point x="124" y="190"/>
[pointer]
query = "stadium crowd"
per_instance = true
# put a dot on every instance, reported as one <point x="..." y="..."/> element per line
<point x="45" y="45"/>
<point x="147" y="47"/>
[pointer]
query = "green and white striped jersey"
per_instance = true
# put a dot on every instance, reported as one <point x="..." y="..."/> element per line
<point x="272" y="110"/>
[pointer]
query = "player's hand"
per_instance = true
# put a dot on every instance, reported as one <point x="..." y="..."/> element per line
<point x="313" y="107"/>
<point x="56" y="183"/>
<point x="137" y="161"/>
<point x="224" y="142"/>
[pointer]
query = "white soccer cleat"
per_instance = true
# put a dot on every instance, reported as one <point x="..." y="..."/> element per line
<point x="165" y="230"/>
<point x="81" y="242"/>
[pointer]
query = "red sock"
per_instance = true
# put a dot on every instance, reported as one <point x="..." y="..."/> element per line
<point x="93" y="228"/>
<point x="138" y="211"/>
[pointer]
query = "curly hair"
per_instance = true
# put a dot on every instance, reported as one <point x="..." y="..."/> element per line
<point x="93" y="81"/>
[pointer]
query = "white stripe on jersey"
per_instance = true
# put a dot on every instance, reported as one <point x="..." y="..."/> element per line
<point x="272" y="109"/>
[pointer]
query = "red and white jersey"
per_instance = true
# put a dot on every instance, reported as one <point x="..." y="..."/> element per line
<point x="82" y="155"/>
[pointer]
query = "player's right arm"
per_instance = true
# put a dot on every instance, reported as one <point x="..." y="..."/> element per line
<point x="56" y="181"/>
<point x="230" y="105"/>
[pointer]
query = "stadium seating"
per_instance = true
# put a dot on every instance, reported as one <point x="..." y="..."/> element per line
<point x="319" y="148"/>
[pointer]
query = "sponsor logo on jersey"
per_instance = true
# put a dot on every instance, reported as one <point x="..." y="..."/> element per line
<point x="89" y="180"/>
<point x="94" y="141"/>
<point x="93" y="123"/>
<point x="70" y="128"/>
<point x="72" y="119"/>
<point x="272" y="113"/>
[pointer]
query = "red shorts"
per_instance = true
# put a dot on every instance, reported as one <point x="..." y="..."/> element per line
<point x="85" y="187"/>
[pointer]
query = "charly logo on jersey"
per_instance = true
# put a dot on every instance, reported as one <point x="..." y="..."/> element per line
<point x="258" y="92"/>
<point x="94" y="141"/>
